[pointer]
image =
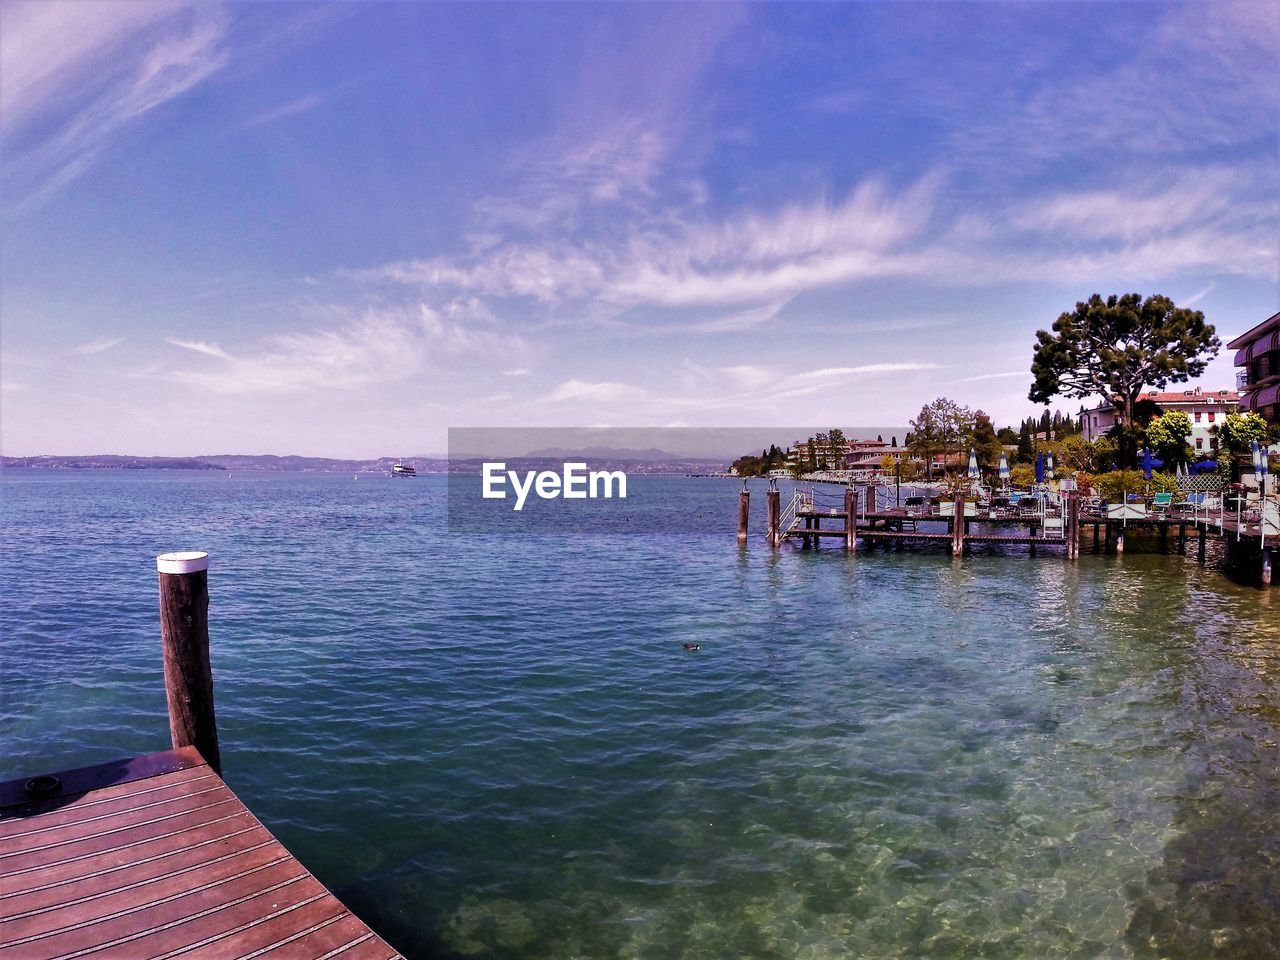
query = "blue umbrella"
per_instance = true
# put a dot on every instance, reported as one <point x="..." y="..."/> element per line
<point x="1004" y="468"/>
<point x="1206" y="466"/>
<point x="1258" y="459"/>
<point x="973" y="465"/>
<point x="1148" y="463"/>
<point x="1039" y="468"/>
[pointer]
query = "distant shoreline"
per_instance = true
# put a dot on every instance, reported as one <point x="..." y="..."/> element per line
<point x="225" y="463"/>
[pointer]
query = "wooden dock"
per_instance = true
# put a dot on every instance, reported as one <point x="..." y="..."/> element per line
<point x="155" y="857"/>
<point x="1060" y="524"/>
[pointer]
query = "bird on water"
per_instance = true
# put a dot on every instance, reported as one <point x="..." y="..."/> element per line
<point x="693" y="646"/>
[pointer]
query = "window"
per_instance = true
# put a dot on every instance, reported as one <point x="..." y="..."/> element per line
<point x="1199" y="443"/>
<point x="1198" y="415"/>
<point x="1211" y="416"/>
<point x="1213" y="443"/>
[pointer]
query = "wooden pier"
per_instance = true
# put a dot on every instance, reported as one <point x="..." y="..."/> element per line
<point x="154" y="856"/>
<point x="1249" y="540"/>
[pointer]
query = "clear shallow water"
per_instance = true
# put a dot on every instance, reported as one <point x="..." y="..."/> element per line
<point x="497" y="747"/>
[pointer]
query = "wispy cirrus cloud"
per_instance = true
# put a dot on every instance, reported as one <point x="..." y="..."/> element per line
<point x="282" y="111"/>
<point x="200" y="346"/>
<point x="376" y="345"/>
<point x="101" y="345"/>
<point x="77" y="74"/>
<point x="1005" y="375"/>
<point x="737" y="388"/>
<point x="599" y="392"/>
<point x="757" y="258"/>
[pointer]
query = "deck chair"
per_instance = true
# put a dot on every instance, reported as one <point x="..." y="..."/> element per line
<point x="1161" y="502"/>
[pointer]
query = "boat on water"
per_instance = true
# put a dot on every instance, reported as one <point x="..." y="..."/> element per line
<point x="402" y="469"/>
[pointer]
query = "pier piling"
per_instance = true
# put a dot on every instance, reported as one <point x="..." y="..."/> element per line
<point x="1073" y="525"/>
<point x="744" y="511"/>
<point x="184" y="630"/>
<point x="851" y="518"/>
<point x="773" y="502"/>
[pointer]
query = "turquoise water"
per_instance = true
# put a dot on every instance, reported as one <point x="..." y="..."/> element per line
<point x="498" y="747"/>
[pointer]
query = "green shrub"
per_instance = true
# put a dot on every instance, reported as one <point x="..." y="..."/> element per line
<point x="1113" y="486"/>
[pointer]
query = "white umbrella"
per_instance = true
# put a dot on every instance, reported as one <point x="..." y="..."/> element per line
<point x="974" y="474"/>
<point x="1004" y="469"/>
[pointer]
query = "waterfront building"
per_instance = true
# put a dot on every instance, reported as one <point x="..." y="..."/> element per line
<point x="1258" y="356"/>
<point x="1206" y="408"/>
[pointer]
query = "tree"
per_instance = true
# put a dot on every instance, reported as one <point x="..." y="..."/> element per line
<point x="984" y="441"/>
<point x="1238" y="431"/>
<point x="1026" y="443"/>
<point x="837" y="448"/>
<point x="1236" y="434"/>
<point x="1117" y="346"/>
<point x="940" y="427"/>
<point x="1078" y="454"/>
<point x="893" y="440"/>
<point x="1167" y="436"/>
<point x="1106" y="455"/>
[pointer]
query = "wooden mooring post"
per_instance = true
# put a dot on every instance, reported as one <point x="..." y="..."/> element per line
<point x="957" y="527"/>
<point x="1073" y="525"/>
<point x="184" y="630"/>
<point x="744" y="511"/>
<point x="851" y="518"/>
<point x="773" y="502"/>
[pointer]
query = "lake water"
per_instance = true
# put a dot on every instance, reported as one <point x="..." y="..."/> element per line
<point x="498" y="747"/>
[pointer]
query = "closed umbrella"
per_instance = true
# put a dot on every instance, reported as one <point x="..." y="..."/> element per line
<point x="1039" y="468"/>
<point x="1048" y="465"/>
<point x="1148" y="463"/>
<point x="1004" y="469"/>
<point x="973" y="465"/>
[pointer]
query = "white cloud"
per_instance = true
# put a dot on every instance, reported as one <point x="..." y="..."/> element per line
<point x="750" y="258"/>
<point x="100" y="345"/>
<point x="383" y="345"/>
<point x="282" y="111"/>
<point x="77" y="74"/>
<point x="602" y="392"/>
<point x="199" y="346"/>
<point x="518" y="372"/>
<point x="1009" y="374"/>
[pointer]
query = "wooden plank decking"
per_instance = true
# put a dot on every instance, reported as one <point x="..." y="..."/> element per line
<point x="155" y="857"/>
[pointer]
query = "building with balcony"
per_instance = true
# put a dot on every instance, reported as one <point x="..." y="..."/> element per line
<point x="1206" y="408"/>
<point x="1258" y="356"/>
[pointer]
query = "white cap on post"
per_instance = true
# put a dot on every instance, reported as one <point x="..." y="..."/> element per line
<point x="184" y="561"/>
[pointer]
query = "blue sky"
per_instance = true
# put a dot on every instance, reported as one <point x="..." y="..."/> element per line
<point x="339" y="230"/>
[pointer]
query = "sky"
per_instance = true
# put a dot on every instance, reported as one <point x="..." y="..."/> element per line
<point x="339" y="230"/>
